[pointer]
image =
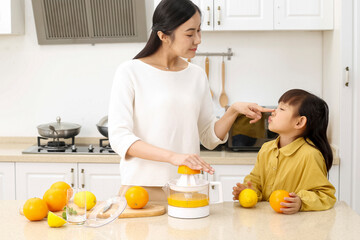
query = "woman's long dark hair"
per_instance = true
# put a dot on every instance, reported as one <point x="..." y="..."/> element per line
<point x="168" y="15"/>
<point x="316" y="111"/>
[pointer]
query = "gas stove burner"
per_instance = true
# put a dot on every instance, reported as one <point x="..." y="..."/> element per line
<point x="55" y="144"/>
<point x="105" y="147"/>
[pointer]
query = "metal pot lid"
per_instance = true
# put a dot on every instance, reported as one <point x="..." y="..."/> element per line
<point x="58" y="125"/>
<point x="103" y="122"/>
<point x="113" y="209"/>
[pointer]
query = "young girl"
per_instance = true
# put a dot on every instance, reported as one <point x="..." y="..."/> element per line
<point x="299" y="159"/>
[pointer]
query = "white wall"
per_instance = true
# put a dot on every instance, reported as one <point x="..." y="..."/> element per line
<point x="38" y="83"/>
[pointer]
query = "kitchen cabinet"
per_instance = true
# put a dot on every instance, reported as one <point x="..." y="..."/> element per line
<point x="33" y="179"/>
<point x="7" y="181"/>
<point x="101" y="179"/>
<point x="303" y="14"/>
<point x="11" y="16"/>
<point x="233" y="15"/>
<point x="229" y="175"/>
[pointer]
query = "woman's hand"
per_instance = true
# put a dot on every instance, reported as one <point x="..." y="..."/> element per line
<point x="238" y="188"/>
<point x="250" y="110"/>
<point x="293" y="205"/>
<point x="193" y="161"/>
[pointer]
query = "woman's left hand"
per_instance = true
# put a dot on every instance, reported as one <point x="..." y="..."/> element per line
<point x="293" y="205"/>
<point x="250" y="110"/>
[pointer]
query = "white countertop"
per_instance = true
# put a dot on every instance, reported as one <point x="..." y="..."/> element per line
<point x="11" y="151"/>
<point x="226" y="221"/>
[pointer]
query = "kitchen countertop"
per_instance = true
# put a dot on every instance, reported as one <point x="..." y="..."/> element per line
<point x="11" y="148"/>
<point x="226" y="221"/>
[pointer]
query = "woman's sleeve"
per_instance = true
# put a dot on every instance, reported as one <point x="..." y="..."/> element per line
<point x="207" y="120"/>
<point x="120" y="118"/>
<point x="254" y="178"/>
<point x="316" y="193"/>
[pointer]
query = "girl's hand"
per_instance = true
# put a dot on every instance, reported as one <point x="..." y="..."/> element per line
<point x="193" y="161"/>
<point x="293" y="205"/>
<point x="250" y="110"/>
<point x="238" y="188"/>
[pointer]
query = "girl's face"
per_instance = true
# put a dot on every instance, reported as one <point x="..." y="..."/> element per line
<point x="283" y="120"/>
<point x="186" y="37"/>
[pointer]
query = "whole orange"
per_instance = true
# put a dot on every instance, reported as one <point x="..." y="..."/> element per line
<point x="65" y="187"/>
<point x="55" y="199"/>
<point x="35" y="209"/>
<point x="276" y="198"/>
<point x="137" y="197"/>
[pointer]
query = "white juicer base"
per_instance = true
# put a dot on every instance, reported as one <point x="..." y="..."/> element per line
<point x="179" y="212"/>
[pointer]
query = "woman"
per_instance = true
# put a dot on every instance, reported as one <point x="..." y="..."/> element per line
<point x="160" y="105"/>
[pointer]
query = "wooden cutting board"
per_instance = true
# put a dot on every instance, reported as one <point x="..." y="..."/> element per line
<point x="149" y="210"/>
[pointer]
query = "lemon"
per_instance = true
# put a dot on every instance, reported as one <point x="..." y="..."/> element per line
<point x="79" y="199"/>
<point x="248" y="198"/>
<point x="54" y="220"/>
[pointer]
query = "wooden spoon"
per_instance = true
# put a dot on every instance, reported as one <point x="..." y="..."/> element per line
<point x="207" y="68"/>
<point x="224" y="100"/>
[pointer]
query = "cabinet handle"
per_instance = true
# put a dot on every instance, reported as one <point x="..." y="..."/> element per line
<point x="72" y="177"/>
<point x="208" y="16"/>
<point x="82" y="178"/>
<point x="219" y="15"/>
<point x="347" y="76"/>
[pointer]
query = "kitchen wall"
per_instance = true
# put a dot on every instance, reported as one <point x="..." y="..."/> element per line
<point x="38" y="83"/>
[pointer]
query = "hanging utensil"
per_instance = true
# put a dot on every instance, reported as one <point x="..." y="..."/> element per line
<point x="207" y="70"/>
<point x="224" y="100"/>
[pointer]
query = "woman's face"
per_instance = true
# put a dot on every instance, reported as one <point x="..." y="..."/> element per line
<point x="186" y="37"/>
<point x="283" y="119"/>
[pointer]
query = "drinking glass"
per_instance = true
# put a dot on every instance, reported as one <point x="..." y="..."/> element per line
<point x="76" y="206"/>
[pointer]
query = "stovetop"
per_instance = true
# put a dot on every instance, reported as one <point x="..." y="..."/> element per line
<point x="46" y="146"/>
<point x="93" y="150"/>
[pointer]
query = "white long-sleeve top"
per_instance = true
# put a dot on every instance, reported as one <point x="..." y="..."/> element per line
<point x="170" y="110"/>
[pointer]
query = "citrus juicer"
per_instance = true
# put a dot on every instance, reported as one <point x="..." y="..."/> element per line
<point x="188" y="196"/>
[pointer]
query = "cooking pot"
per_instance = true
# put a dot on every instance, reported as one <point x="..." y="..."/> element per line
<point x="58" y="129"/>
<point x="102" y="126"/>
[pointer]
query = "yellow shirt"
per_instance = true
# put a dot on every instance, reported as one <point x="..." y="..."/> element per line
<point x="297" y="167"/>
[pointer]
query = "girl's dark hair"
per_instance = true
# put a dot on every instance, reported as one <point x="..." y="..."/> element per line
<point x="316" y="111"/>
<point x="168" y="15"/>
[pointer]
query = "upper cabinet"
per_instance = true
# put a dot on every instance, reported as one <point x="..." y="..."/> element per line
<point x="303" y="14"/>
<point x="232" y="15"/>
<point x="11" y="16"/>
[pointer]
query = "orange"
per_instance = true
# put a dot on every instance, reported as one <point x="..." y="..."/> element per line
<point x="64" y="186"/>
<point x="137" y="197"/>
<point x="186" y="170"/>
<point x="276" y="198"/>
<point x="55" y="199"/>
<point x="35" y="209"/>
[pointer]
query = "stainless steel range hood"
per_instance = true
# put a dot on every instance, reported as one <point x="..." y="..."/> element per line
<point x="89" y="21"/>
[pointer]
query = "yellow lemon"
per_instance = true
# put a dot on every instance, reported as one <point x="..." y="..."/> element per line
<point x="79" y="199"/>
<point x="54" y="220"/>
<point x="248" y="198"/>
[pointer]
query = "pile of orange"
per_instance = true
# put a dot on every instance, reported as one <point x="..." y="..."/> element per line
<point x="54" y="199"/>
<point x="137" y="197"/>
<point x="276" y="198"/>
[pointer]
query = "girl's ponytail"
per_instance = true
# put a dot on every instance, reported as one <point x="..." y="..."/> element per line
<point x="317" y="113"/>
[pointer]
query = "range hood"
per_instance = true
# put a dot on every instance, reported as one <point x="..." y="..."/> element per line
<point x="89" y="21"/>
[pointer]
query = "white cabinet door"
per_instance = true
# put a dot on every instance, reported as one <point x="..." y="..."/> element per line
<point x="229" y="175"/>
<point x="243" y="15"/>
<point x="7" y="181"/>
<point x="11" y="16"/>
<point x="33" y="179"/>
<point x="101" y="179"/>
<point x="303" y="14"/>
